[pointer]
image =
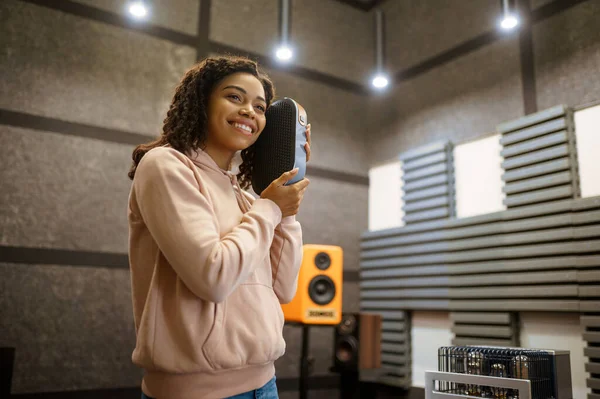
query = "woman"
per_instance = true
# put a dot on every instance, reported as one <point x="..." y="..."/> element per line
<point x="210" y="264"/>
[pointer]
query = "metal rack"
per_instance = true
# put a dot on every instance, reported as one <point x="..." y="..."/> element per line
<point x="500" y="373"/>
<point x="500" y="386"/>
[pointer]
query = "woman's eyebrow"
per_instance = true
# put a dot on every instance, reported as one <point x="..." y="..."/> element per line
<point x="242" y="90"/>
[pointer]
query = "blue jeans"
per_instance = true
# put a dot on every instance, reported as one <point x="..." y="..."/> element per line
<point x="267" y="391"/>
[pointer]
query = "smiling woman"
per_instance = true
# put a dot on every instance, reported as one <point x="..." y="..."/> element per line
<point x="210" y="264"/>
<point x="236" y="110"/>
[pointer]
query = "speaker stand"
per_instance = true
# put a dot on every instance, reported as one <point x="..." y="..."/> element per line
<point x="349" y="385"/>
<point x="304" y="363"/>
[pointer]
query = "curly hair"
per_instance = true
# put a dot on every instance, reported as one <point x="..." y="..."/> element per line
<point x="185" y="127"/>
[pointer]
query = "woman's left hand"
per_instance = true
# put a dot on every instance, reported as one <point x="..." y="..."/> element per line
<point x="307" y="145"/>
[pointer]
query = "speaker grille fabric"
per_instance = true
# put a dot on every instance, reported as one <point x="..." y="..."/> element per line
<point x="275" y="147"/>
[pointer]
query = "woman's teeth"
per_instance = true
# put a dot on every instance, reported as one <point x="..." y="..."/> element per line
<point x="244" y="127"/>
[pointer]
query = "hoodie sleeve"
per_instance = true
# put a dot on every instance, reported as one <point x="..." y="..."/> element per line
<point x="286" y="258"/>
<point x="182" y="222"/>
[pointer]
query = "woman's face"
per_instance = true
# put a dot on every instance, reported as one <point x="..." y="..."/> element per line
<point x="236" y="113"/>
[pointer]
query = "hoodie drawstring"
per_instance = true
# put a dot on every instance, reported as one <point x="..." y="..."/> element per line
<point x="243" y="202"/>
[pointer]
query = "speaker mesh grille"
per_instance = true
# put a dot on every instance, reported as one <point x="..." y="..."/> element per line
<point x="275" y="147"/>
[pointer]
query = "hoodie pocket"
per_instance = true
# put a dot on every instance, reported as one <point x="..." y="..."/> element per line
<point x="248" y="329"/>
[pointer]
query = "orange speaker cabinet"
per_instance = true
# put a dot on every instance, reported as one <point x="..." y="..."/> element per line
<point x="318" y="298"/>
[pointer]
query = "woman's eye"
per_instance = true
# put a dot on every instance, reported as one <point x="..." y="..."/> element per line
<point x="235" y="97"/>
<point x="261" y="108"/>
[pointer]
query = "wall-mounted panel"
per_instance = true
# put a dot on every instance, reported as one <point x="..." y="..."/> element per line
<point x="428" y="183"/>
<point x="540" y="160"/>
<point x="526" y="258"/>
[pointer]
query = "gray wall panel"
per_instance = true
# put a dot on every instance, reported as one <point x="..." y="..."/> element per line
<point x="68" y="179"/>
<point x="524" y="259"/>
<point x="425" y="151"/>
<point x="424" y="172"/>
<point x="543" y="305"/>
<point x="376" y="306"/>
<point x="485" y="328"/>
<point x="102" y="76"/>
<point x="524" y="265"/>
<point x="535" y="157"/>
<point x="421" y="216"/>
<point x="428" y="203"/>
<point x="406" y="282"/>
<point x="586" y="217"/>
<point x="426" y="193"/>
<point x="483" y="331"/>
<point x="430" y="31"/>
<point x="405" y="271"/>
<point x="338" y="34"/>
<point x="425" y="183"/>
<point x="542" y="152"/>
<point x="539" y="182"/>
<point x="338" y="139"/>
<point x="488" y="279"/>
<point x="589" y="290"/>
<point x="532" y="145"/>
<point x="590" y="321"/>
<point x="589" y="306"/>
<point x="414" y="163"/>
<point x="405" y="293"/>
<point x="436" y="177"/>
<point x="532" y="119"/>
<point x="544" y="195"/>
<point x="588" y="276"/>
<point x="72" y="327"/>
<point x="566" y="49"/>
<point x="340" y="223"/>
<point x="507" y="252"/>
<point x="538" y="169"/>
<point x="482" y="341"/>
<point x="180" y="15"/>
<point x="510" y="139"/>
<point x="531" y="291"/>
<point x="488" y="318"/>
<point x="395" y="348"/>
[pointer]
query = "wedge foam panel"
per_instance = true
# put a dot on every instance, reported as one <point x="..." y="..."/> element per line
<point x="280" y="146"/>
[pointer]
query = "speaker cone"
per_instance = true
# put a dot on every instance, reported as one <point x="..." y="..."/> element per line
<point x="322" y="261"/>
<point x="321" y="290"/>
<point x="346" y="349"/>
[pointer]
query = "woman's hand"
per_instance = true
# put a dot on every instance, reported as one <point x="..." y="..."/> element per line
<point x="287" y="198"/>
<point x="307" y="145"/>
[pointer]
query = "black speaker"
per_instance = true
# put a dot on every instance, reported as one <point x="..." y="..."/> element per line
<point x="280" y="146"/>
<point x="357" y="342"/>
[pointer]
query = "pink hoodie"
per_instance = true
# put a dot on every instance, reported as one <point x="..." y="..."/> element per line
<point x="210" y="266"/>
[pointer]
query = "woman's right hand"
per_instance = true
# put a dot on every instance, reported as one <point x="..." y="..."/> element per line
<point x="288" y="198"/>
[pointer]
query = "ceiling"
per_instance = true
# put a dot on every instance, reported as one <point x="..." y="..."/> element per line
<point x="365" y="5"/>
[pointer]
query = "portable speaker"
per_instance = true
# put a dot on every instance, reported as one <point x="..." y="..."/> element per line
<point x="318" y="298"/>
<point x="280" y="146"/>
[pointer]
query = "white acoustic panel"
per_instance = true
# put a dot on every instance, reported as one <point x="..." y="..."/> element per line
<point x="587" y="138"/>
<point x="430" y="330"/>
<point x="385" y="196"/>
<point x="478" y="177"/>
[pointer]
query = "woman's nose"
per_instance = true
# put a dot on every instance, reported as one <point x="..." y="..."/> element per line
<point x="247" y="112"/>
